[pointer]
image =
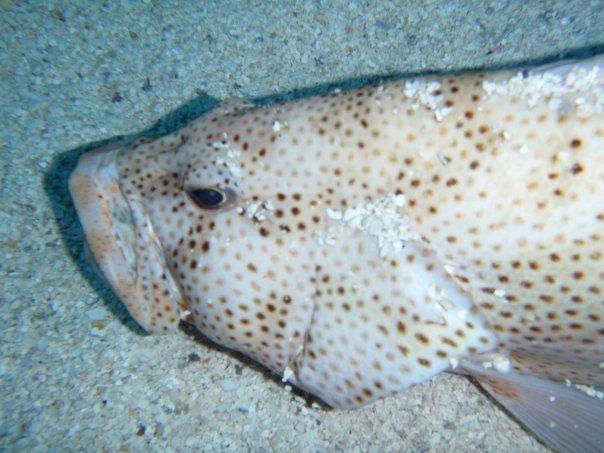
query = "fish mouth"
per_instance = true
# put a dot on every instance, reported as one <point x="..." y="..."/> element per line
<point x="138" y="275"/>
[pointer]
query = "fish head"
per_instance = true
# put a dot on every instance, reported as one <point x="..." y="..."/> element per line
<point x="180" y="233"/>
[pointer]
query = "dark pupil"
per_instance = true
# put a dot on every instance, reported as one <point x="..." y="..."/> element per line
<point x="207" y="198"/>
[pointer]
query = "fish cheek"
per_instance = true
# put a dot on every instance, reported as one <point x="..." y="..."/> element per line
<point x="246" y="292"/>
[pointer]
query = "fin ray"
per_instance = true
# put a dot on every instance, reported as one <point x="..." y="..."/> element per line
<point x="561" y="416"/>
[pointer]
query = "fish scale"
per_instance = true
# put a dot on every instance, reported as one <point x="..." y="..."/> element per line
<point x="365" y="240"/>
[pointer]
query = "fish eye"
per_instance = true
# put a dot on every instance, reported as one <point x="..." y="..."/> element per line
<point x="210" y="197"/>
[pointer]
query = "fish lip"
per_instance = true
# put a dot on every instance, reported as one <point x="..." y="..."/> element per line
<point x="106" y="218"/>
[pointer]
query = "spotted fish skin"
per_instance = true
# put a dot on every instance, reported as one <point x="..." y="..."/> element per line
<point x="372" y="238"/>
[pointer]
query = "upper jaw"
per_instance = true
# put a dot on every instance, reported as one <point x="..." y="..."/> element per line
<point x="110" y="226"/>
<point x="104" y="214"/>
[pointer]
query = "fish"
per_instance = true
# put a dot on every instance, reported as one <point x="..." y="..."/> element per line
<point x="362" y="241"/>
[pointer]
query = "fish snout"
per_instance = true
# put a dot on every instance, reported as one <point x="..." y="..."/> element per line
<point x="110" y="226"/>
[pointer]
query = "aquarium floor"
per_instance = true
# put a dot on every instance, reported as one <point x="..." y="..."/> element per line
<point x="75" y="371"/>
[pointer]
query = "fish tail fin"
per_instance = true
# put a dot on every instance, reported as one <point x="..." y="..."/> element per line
<point x="564" y="418"/>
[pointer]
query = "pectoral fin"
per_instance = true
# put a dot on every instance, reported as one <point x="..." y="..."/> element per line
<point x="564" y="418"/>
